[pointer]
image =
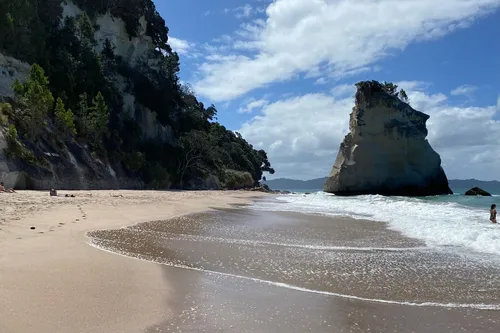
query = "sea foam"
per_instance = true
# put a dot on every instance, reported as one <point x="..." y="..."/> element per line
<point x="439" y="221"/>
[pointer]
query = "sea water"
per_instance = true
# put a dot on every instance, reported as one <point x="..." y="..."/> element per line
<point x="453" y="221"/>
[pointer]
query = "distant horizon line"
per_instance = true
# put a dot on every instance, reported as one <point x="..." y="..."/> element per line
<point x="302" y="180"/>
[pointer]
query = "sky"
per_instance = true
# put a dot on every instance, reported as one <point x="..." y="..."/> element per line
<point x="282" y="72"/>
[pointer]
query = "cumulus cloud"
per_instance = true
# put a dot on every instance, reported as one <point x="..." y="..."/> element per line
<point x="343" y="90"/>
<point x="302" y="134"/>
<point x="463" y="90"/>
<point x="179" y="45"/>
<point x="244" y="11"/>
<point x="252" y="105"/>
<point x="339" y="37"/>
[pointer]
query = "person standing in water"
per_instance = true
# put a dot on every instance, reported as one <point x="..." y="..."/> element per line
<point x="493" y="213"/>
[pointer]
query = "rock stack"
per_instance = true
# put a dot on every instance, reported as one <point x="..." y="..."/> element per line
<point x="386" y="151"/>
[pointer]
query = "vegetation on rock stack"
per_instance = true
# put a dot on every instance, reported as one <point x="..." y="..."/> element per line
<point x="387" y="87"/>
<point x="75" y="95"/>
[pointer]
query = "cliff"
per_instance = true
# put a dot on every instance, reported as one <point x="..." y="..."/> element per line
<point x="99" y="103"/>
<point x="386" y="151"/>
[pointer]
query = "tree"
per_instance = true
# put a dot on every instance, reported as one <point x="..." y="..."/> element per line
<point x="211" y="113"/>
<point x="97" y="120"/>
<point x="35" y="100"/>
<point x="108" y="49"/>
<point x="403" y="96"/>
<point x="64" y="119"/>
<point x="195" y="148"/>
<point x="86" y="31"/>
<point x="390" y="88"/>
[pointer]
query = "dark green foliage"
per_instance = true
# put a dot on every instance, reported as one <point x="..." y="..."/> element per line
<point x="85" y="81"/>
<point x="5" y="112"/>
<point x="134" y="161"/>
<point x="235" y="180"/>
<point x="34" y="101"/>
<point x="386" y="87"/>
<point x="403" y="96"/>
<point x="64" y="119"/>
<point x="16" y="148"/>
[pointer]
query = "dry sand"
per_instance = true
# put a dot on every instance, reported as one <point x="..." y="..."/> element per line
<point x="51" y="280"/>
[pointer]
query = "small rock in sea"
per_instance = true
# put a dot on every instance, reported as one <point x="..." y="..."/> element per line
<point x="32" y="228"/>
<point x="478" y="191"/>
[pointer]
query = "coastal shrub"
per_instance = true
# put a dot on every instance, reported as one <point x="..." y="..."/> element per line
<point x="16" y="149"/>
<point x="157" y="177"/>
<point x="5" y="112"/>
<point x="64" y="119"/>
<point x="134" y="161"/>
<point x="235" y="180"/>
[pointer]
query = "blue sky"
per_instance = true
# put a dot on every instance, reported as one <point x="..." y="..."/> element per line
<point x="281" y="72"/>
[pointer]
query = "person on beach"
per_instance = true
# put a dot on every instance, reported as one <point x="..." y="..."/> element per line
<point x="53" y="192"/>
<point x="2" y="189"/>
<point x="493" y="213"/>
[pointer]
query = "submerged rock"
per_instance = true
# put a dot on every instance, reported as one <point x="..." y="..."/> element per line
<point x="477" y="191"/>
<point x="386" y="151"/>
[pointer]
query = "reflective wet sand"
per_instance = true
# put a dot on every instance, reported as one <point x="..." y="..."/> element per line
<point x="254" y="271"/>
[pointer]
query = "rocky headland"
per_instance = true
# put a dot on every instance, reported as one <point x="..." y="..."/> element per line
<point x="90" y="98"/>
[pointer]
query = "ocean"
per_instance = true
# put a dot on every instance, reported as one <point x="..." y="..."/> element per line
<point x="456" y="221"/>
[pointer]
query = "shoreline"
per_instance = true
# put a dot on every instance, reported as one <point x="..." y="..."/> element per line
<point x="53" y="280"/>
<point x="233" y="292"/>
<point x="62" y="281"/>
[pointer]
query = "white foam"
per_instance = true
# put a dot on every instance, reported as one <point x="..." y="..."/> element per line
<point x="478" y="306"/>
<point x="199" y="238"/>
<point x="436" y="223"/>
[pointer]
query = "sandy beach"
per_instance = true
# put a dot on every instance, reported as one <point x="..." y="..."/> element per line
<point x="51" y="280"/>
<point x="207" y="266"/>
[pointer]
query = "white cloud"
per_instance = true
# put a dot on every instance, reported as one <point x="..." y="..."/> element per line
<point x="498" y="104"/>
<point x="179" y="45"/>
<point x="302" y="134"/>
<point x="242" y="11"/>
<point x="253" y="104"/>
<point x="321" y="80"/>
<point x="463" y="90"/>
<point x="342" y="37"/>
<point x="343" y="90"/>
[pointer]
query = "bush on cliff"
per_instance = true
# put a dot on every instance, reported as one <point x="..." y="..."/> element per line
<point x="386" y="87"/>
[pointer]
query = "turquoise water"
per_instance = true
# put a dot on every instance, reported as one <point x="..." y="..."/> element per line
<point x="458" y="198"/>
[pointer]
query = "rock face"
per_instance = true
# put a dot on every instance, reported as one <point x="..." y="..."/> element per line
<point x="477" y="191"/>
<point x="11" y="69"/>
<point x="386" y="151"/>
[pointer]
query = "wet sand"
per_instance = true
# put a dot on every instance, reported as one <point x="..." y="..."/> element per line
<point x="52" y="281"/>
<point x="238" y="270"/>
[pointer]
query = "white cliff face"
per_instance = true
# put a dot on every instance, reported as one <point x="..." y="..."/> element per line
<point x="386" y="152"/>
<point x="11" y="69"/>
<point x="133" y="50"/>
